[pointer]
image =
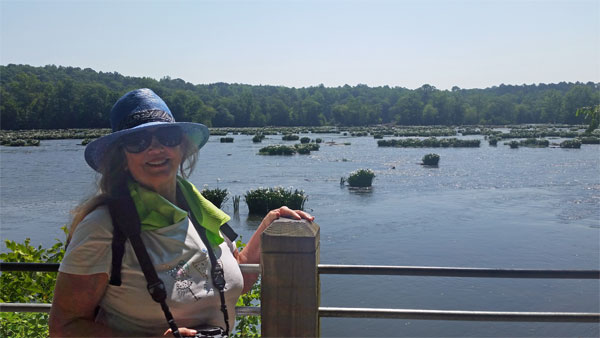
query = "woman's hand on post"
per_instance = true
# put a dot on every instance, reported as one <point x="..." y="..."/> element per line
<point x="284" y="212"/>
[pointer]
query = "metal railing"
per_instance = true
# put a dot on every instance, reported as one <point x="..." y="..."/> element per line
<point x="386" y="313"/>
<point x="582" y="317"/>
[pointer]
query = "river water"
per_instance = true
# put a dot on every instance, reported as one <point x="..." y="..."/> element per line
<point x="487" y="207"/>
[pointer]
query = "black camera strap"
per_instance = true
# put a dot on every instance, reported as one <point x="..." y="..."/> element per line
<point x="127" y="225"/>
<point x="217" y="273"/>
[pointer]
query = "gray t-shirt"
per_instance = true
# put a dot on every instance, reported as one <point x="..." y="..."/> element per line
<point x="182" y="263"/>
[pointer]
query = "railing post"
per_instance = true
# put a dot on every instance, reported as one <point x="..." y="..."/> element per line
<point x="290" y="280"/>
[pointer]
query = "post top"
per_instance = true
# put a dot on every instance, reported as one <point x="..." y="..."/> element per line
<point x="291" y="235"/>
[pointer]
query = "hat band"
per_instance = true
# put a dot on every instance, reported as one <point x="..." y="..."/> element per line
<point x="145" y="116"/>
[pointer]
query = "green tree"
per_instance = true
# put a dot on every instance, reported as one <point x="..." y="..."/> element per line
<point x="592" y="116"/>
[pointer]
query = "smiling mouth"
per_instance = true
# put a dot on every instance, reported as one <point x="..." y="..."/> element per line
<point x="158" y="163"/>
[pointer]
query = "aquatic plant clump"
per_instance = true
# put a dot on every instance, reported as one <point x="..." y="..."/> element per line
<point x="431" y="159"/>
<point x="306" y="148"/>
<point x="277" y="150"/>
<point x="215" y="196"/>
<point x="290" y="137"/>
<point x="20" y="142"/>
<point x="289" y="150"/>
<point x="535" y="143"/>
<point x="574" y="144"/>
<point x="361" y="178"/>
<point x="258" y="138"/>
<point x="430" y="142"/>
<point x="305" y="140"/>
<point x="53" y="134"/>
<point x="262" y="200"/>
<point x="590" y="140"/>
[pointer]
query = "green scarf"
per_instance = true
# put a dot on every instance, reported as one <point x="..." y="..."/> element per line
<point x="156" y="211"/>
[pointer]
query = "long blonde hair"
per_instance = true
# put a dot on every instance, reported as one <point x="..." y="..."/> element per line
<point x="114" y="176"/>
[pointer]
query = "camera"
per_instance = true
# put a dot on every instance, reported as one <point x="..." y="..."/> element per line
<point x="209" y="331"/>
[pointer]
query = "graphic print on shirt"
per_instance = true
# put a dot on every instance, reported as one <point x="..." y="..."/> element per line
<point x="202" y="265"/>
<point x="183" y="281"/>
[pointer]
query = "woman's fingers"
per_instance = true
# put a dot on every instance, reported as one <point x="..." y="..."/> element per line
<point x="184" y="331"/>
<point x="295" y="214"/>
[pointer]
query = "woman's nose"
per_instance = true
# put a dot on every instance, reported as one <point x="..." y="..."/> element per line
<point x="155" y="144"/>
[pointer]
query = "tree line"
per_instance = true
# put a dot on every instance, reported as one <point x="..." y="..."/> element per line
<point x="54" y="97"/>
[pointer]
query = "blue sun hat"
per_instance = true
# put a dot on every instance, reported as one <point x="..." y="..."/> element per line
<point x="137" y="110"/>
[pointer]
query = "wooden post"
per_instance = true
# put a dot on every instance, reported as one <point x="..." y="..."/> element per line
<point x="290" y="280"/>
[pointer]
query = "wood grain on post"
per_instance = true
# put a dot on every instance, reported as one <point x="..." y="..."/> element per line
<point x="290" y="280"/>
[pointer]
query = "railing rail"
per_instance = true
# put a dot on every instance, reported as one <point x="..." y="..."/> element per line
<point x="580" y="317"/>
<point x="53" y="267"/>
<point x="381" y="270"/>
<point x="455" y="272"/>
<point x="298" y="313"/>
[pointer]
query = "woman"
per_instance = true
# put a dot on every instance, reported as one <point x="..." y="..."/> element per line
<point x="141" y="158"/>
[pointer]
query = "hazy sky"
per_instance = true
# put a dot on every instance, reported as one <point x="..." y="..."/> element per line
<point x="470" y="44"/>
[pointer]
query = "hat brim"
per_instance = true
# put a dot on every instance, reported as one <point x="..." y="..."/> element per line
<point x="96" y="150"/>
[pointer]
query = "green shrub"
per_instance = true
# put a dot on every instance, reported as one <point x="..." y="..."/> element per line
<point x="430" y="142"/>
<point x="574" y="143"/>
<point x="590" y="140"/>
<point x="262" y="200"/>
<point x="305" y="140"/>
<point x="431" y="159"/>
<point x="361" y="178"/>
<point x="258" y="138"/>
<point x="493" y="141"/>
<point x="277" y="150"/>
<point x="532" y="142"/>
<point x="20" y="142"/>
<point x="306" y="148"/>
<point x="248" y="326"/>
<point x="290" y="137"/>
<point x="215" y="196"/>
<point x="27" y="287"/>
<point x="226" y="139"/>
<point x="513" y="144"/>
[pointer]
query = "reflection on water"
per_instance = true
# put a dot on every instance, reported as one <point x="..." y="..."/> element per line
<point x="490" y="207"/>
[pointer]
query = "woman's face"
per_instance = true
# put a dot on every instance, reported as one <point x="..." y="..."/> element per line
<point x="156" y="167"/>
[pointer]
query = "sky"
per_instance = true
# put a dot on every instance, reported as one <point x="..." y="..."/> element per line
<point x="402" y="43"/>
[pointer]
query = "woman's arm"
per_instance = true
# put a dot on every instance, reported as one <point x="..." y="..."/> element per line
<point x="251" y="253"/>
<point x="76" y="298"/>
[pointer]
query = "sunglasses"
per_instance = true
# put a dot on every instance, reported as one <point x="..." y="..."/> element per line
<point x="141" y="140"/>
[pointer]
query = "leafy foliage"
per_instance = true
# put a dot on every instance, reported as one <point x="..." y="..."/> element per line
<point x="277" y="150"/>
<point x="258" y="138"/>
<point x="574" y="143"/>
<point x="248" y="326"/>
<point x="534" y="143"/>
<point x="430" y="142"/>
<point x="592" y="116"/>
<point x="431" y="159"/>
<point x="27" y="287"/>
<point x="52" y="97"/>
<point x="281" y="149"/>
<point x="216" y="196"/>
<point x="361" y="178"/>
<point x="290" y="137"/>
<point x="262" y="200"/>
